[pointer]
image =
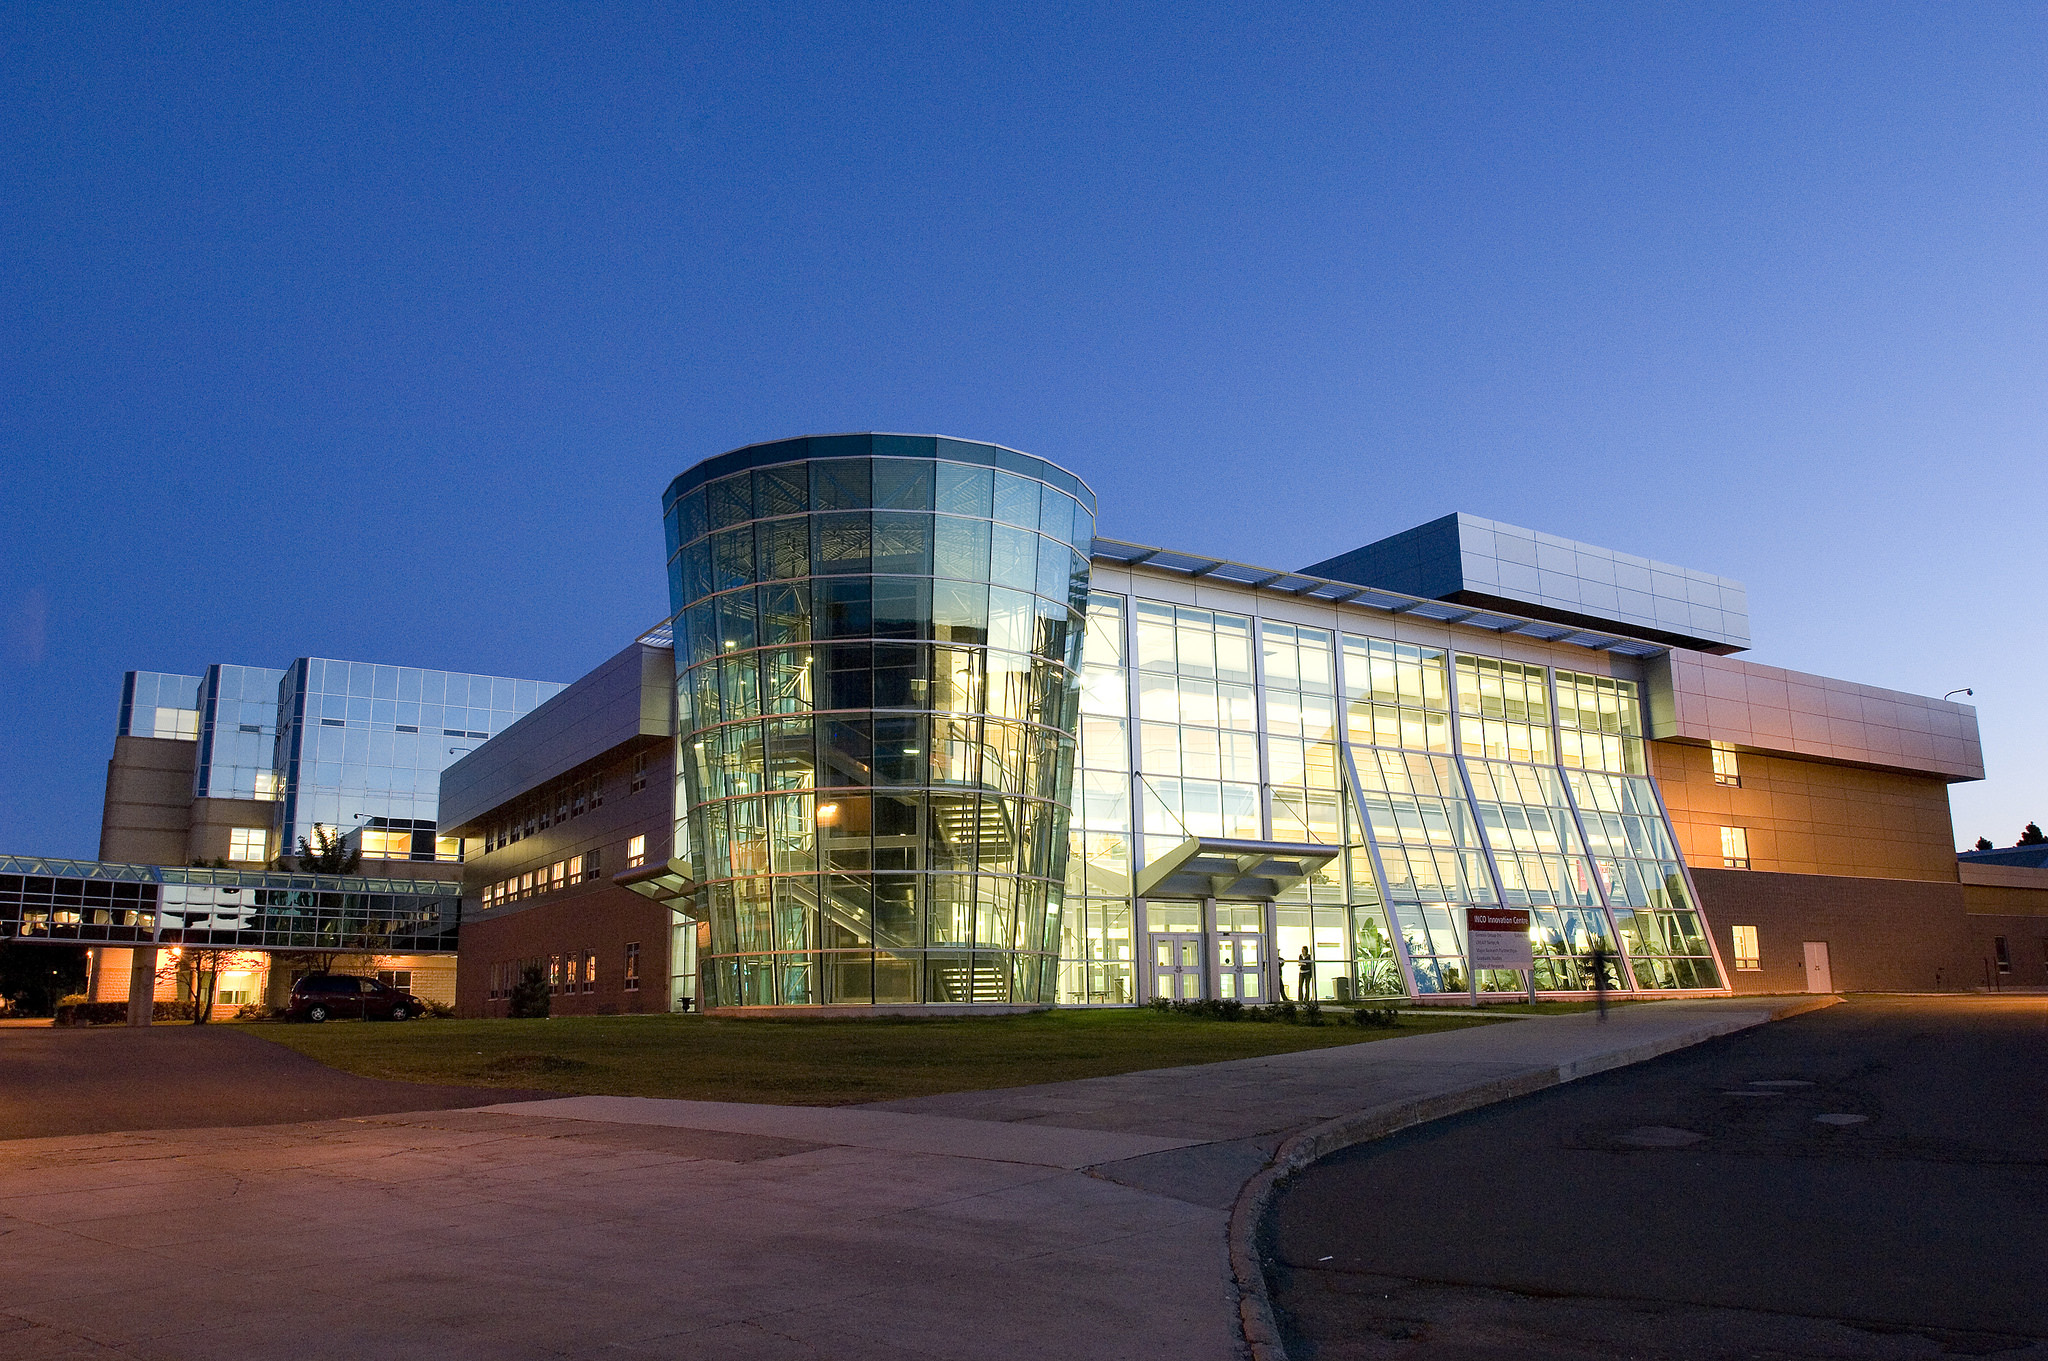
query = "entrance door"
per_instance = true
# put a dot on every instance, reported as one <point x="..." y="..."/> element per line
<point x="1240" y="966"/>
<point x="1819" y="977"/>
<point x="1177" y="965"/>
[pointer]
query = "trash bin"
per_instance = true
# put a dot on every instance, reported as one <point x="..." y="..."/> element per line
<point x="1340" y="987"/>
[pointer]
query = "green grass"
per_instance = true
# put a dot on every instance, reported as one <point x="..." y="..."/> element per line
<point x="806" y="1063"/>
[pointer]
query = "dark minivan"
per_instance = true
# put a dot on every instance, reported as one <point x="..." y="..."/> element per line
<point x="333" y="996"/>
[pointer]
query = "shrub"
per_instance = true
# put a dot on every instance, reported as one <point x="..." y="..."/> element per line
<point x="255" y="1011"/>
<point x="1384" y="1017"/>
<point x="91" y="1013"/>
<point x="71" y="999"/>
<point x="1312" y="1012"/>
<point x="1286" y="1011"/>
<point x="529" y="1000"/>
<point x="441" y="1009"/>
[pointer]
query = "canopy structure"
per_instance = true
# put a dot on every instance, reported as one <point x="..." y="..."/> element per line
<point x="1232" y="871"/>
<point x="672" y="883"/>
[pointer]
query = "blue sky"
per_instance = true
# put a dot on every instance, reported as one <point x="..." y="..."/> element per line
<point x="375" y="332"/>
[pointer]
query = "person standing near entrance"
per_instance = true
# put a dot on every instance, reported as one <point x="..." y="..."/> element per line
<point x="1306" y="965"/>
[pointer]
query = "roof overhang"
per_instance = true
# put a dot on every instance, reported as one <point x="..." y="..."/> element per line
<point x="1232" y="871"/>
<point x="671" y="884"/>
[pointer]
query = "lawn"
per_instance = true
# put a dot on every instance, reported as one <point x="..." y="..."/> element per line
<point x="806" y="1063"/>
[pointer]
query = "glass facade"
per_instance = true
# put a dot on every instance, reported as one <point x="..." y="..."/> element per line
<point x="878" y="653"/>
<point x="1452" y="781"/>
<point x="238" y="734"/>
<point x="360" y="747"/>
<point x="157" y="704"/>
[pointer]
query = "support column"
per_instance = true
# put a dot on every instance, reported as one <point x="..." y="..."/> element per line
<point x="142" y="985"/>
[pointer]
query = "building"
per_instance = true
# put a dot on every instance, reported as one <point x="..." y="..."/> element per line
<point x="932" y="743"/>
<point x="237" y="767"/>
<point x="2005" y="893"/>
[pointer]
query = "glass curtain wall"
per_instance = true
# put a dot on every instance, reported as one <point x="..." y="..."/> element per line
<point x="1504" y="734"/>
<point x="1095" y="928"/>
<point x="158" y="704"/>
<point x="1303" y="772"/>
<point x="238" y="734"/>
<point x="362" y="745"/>
<point x="1198" y="726"/>
<point x="878" y="648"/>
<point x="1600" y="737"/>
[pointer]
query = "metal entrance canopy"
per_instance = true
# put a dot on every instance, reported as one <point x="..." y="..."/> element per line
<point x="1232" y="871"/>
<point x="670" y="883"/>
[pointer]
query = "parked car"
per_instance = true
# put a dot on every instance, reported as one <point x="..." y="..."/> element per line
<point x="336" y="996"/>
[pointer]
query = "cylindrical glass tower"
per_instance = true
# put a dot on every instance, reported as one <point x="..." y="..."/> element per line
<point x="877" y="645"/>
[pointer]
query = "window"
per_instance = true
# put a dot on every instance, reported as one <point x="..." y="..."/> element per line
<point x="636" y="849"/>
<point x="395" y="978"/>
<point x="633" y="966"/>
<point x="497" y="981"/>
<point x="1734" y="848"/>
<point x="1726" y="768"/>
<point x="248" y="843"/>
<point x="1746" y="956"/>
<point x="639" y="773"/>
<point x="589" y="971"/>
<point x="2004" y="954"/>
<point x="554" y="974"/>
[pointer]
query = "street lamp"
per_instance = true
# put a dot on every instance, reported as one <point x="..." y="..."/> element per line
<point x="1965" y="691"/>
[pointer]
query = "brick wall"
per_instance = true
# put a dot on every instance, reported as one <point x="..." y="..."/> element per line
<point x="601" y="919"/>
<point x="1883" y="935"/>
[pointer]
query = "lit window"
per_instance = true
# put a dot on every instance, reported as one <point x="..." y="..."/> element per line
<point x="525" y="885"/>
<point x="181" y="725"/>
<point x="575" y="869"/>
<point x="589" y="971"/>
<point x="1746" y="956"/>
<point x="448" y="849"/>
<point x="268" y="787"/>
<point x="636" y="852"/>
<point x="1735" y="848"/>
<point x="395" y="978"/>
<point x="633" y="966"/>
<point x="554" y="973"/>
<point x="249" y="844"/>
<point x="556" y="872"/>
<point x="1727" y="770"/>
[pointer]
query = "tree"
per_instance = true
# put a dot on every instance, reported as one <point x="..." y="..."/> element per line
<point x="205" y="964"/>
<point x="2032" y="836"/>
<point x="1984" y="843"/>
<point x="327" y="853"/>
<point x="529" y="999"/>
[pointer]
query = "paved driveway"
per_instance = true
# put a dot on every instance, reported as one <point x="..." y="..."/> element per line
<point x="1866" y="1181"/>
<point x="97" y="1079"/>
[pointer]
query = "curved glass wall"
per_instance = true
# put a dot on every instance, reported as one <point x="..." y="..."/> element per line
<point x="878" y="648"/>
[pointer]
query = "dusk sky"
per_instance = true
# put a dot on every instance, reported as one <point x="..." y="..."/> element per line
<point x="376" y="332"/>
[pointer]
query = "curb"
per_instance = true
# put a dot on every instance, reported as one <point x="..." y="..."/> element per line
<point x="1258" y="1328"/>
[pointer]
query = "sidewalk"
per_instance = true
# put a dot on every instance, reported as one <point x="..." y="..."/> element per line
<point x="1082" y="1219"/>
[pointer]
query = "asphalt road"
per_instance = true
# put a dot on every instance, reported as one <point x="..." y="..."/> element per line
<point x="103" y="1079"/>
<point x="1866" y="1181"/>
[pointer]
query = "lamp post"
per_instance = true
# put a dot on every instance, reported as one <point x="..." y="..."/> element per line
<point x="1965" y="691"/>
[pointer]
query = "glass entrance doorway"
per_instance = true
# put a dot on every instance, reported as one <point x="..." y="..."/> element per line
<point x="1177" y="966"/>
<point x="1241" y="966"/>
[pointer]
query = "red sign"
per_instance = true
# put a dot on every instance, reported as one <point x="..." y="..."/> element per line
<point x="1499" y="937"/>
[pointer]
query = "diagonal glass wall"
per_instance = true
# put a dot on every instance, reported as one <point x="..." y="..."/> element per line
<point x="878" y="649"/>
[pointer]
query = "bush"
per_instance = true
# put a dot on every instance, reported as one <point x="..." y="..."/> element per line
<point x="116" y="1013"/>
<point x="1384" y="1018"/>
<point x="1312" y="1012"/>
<point x="1285" y="1011"/>
<point x="256" y="1011"/>
<point x="1209" y="1008"/>
<point x="529" y="1000"/>
<point x="441" y="1009"/>
<point x="71" y="999"/>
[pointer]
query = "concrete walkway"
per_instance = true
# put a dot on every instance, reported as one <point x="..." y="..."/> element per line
<point x="1076" y="1220"/>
